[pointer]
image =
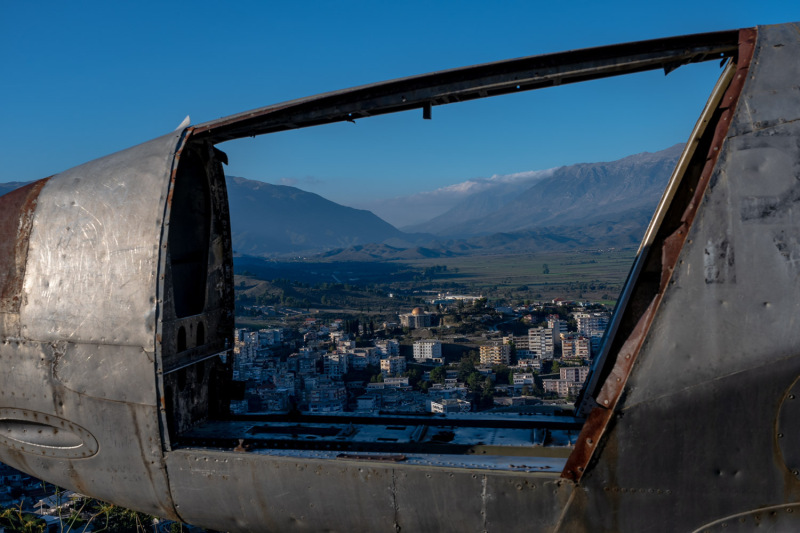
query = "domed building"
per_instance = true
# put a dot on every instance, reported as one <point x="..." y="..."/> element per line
<point x="417" y="318"/>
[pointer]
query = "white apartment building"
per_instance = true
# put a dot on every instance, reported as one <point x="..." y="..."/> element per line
<point x="571" y="381"/>
<point x="558" y="326"/>
<point x="541" y="342"/>
<point x="269" y="337"/>
<point x="397" y="382"/>
<point x="452" y="405"/>
<point x="562" y="387"/>
<point x="524" y="378"/>
<point x="427" y="349"/>
<point x="592" y="325"/>
<point x="574" y="373"/>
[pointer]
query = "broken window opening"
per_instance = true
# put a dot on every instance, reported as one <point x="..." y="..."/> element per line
<point x="298" y="424"/>
<point x="189" y="236"/>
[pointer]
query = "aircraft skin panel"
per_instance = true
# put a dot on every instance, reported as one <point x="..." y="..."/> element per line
<point x="695" y="437"/>
<point x="125" y="466"/>
<point x="258" y="492"/>
<point x="93" y="255"/>
<point x="16" y="219"/>
<point x="83" y="359"/>
<point x="772" y="97"/>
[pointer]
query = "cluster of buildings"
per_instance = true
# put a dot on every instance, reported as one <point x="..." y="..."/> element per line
<point x="543" y="343"/>
<point x="328" y="373"/>
<point x="570" y="381"/>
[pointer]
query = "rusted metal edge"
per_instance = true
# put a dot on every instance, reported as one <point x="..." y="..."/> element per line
<point x="586" y="400"/>
<point x="17" y="210"/>
<point x="163" y="425"/>
<point x="478" y="81"/>
<point x="160" y="288"/>
<point x="586" y="444"/>
<point x="385" y="458"/>
<point x="612" y="388"/>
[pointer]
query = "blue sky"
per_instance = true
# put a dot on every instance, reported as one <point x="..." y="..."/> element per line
<point x="84" y="79"/>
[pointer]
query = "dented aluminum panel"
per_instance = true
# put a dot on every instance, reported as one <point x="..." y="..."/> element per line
<point x="694" y="438"/>
<point x="312" y="494"/>
<point x="87" y="298"/>
<point x="93" y="250"/>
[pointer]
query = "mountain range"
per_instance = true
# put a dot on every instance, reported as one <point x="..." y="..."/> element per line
<point x="574" y="195"/>
<point x="587" y="205"/>
<point x="271" y="219"/>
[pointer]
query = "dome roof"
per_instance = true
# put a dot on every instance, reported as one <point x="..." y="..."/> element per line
<point x="417" y="311"/>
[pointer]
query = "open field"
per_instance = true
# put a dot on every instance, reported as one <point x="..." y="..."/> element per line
<point x="381" y="290"/>
<point x="554" y="274"/>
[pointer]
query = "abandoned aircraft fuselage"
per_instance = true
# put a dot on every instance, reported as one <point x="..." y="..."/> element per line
<point x="116" y="324"/>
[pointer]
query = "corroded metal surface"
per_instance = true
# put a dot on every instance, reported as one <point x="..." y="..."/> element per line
<point x="777" y="519"/>
<point x="83" y="365"/>
<point x="693" y="441"/>
<point x="93" y="252"/>
<point x="478" y="81"/>
<point x="787" y="429"/>
<point x="16" y="219"/>
<point x="300" y="494"/>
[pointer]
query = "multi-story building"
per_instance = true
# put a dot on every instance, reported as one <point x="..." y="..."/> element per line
<point x="396" y="382"/>
<point x="327" y="398"/>
<point x="541" y="342"/>
<point x="526" y="363"/>
<point x="523" y="378"/>
<point x="522" y="344"/>
<point x="575" y="346"/>
<point x="558" y="326"/>
<point x="571" y="381"/>
<point x="562" y="387"/>
<point x="388" y="348"/>
<point x="574" y="373"/>
<point x="427" y="349"/>
<point x="495" y="354"/>
<point x="452" y="405"/>
<point x="269" y="337"/>
<point x="335" y="365"/>
<point x="394" y="365"/>
<point x="593" y="325"/>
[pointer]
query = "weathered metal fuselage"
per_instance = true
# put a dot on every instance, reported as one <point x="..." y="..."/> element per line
<point x="116" y="324"/>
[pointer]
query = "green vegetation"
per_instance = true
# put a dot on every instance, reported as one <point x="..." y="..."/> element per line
<point x="376" y="292"/>
<point x="592" y="275"/>
<point x="86" y="514"/>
